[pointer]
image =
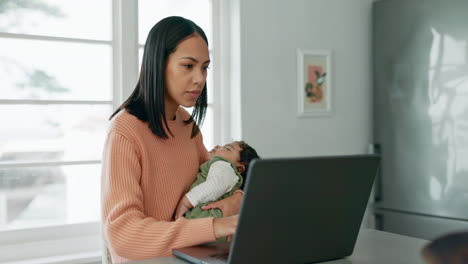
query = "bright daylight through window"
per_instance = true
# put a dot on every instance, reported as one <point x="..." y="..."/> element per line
<point x="56" y="79"/>
<point x="57" y="92"/>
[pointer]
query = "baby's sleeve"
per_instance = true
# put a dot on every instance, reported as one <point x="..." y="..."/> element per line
<point x="221" y="179"/>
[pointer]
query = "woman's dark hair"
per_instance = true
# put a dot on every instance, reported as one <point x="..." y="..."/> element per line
<point x="247" y="154"/>
<point x="147" y="100"/>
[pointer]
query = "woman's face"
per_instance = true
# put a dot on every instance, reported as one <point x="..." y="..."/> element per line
<point x="186" y="72"/>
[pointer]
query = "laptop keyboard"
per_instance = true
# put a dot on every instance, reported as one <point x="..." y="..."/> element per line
<point x="219" y="258"/>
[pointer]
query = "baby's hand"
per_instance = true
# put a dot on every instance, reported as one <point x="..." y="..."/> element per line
<point x="183" y="206"/>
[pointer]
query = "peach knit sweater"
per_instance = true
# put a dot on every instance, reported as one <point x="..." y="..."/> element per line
<point x="143" y="179"/>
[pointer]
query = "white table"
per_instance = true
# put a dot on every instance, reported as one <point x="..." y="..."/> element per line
<point x="372" y="247"/>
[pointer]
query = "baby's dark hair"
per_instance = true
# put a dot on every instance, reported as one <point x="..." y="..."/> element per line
<point x="448" y="249"/>
<point x="247" y="154"/>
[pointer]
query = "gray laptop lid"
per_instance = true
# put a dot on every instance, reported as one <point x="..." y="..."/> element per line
<point x="302" y="210"/>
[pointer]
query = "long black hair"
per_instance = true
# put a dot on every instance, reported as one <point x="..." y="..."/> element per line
<point x="147" y="100"/>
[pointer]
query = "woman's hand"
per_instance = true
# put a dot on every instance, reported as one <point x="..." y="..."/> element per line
<point x="229" y="206"/>
<point x="225" y="226"/>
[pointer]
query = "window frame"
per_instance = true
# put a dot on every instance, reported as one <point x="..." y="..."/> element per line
<point x="82" y="242"/>
<point x="78" y="241"/>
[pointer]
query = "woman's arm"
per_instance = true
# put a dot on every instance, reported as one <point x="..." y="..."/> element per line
<point x="225" y="226"/>
<point x="128" y="231"/>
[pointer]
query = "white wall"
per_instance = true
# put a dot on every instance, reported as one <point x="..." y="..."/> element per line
<point x="270" y="32"/>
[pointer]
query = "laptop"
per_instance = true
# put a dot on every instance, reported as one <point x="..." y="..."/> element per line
<point x="296" y="210"/>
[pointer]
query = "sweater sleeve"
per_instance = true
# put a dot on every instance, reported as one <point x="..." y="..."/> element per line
<point x="220" y="180"/>
<point x="127" y="230"/>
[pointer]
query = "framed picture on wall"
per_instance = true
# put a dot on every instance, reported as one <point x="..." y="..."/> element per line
<point x="314" y="88"/>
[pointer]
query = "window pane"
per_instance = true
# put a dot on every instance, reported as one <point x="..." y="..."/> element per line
<point x="87" y="19"/>
<point x="151" y="11"/>
<point x="210" y="81"/>
<point x="31" y="69"/>
<point x="52" y="132"/>
<point x="207" y="130"/>
<point x="140" y="58"/>
<point x="41" y="196"/>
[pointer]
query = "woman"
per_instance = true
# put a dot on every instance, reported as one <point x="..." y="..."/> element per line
<point x="154" y="149"/>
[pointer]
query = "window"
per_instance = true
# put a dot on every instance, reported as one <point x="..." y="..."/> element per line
<point x="64" y="67"/>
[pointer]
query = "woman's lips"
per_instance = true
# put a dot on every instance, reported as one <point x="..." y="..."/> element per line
<point x="194" y="94"/>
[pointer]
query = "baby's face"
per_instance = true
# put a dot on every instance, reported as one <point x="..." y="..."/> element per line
<point x="229" y="151"/>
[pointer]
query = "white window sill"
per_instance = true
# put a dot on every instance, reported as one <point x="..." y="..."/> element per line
<point x="82" y="258"/>
<point x="74" y="243"/>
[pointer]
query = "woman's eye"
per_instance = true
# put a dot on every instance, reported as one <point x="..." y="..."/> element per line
<point x="188" y="66"/>
<point x="206" y="68"/>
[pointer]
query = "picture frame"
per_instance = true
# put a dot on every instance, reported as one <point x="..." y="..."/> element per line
<point x="314" y="83"/>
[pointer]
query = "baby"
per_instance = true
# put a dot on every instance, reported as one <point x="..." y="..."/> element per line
<point x="217" y="179"/>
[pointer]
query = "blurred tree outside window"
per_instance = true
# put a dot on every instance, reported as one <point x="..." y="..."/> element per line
<point x="56" y="97"/>
<point x="56" y="79"/>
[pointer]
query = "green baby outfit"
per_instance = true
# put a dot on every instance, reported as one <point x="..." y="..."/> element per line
<point x="197" y="212"/>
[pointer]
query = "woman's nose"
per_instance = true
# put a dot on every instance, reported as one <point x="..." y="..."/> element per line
<point x="199" y="77"/>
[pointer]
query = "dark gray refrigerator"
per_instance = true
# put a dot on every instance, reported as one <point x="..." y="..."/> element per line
<point x="420" y="72"/>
